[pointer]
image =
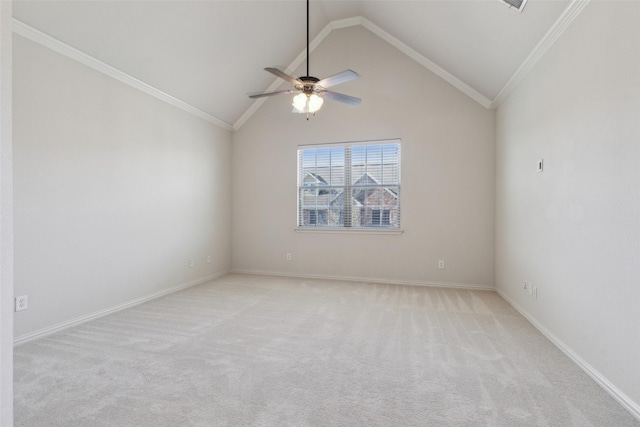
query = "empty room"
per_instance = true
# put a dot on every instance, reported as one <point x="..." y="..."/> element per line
<point x="320" y="213"/>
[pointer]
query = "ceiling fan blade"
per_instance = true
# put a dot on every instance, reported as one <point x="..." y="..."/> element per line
<point x="351" y="100"/>
<point x="336" y="79"/>
<point x="283" y="75"/>
<point x="263" y="94"/>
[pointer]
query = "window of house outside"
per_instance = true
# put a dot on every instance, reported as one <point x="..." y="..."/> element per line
<point x="349" y="186"/>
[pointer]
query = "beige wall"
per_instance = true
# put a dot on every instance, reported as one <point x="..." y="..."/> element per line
<point x="447" y="173"/>
<point x="6" y="219"/>
<point x="115" y="191"/>
<point x="574" y="230"/>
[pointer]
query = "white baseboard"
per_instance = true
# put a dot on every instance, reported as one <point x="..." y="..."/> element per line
<point x="451" y="285"/>
<point x="616" y="393"/>
<point x="82" y="319"/>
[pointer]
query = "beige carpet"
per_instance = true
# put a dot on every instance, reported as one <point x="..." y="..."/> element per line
<point x="263" y="351"/>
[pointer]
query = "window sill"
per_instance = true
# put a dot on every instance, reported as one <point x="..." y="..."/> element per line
<point x="346" y="230"/>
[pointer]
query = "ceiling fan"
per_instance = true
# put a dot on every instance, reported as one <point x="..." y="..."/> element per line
<point x="309" y="91"/>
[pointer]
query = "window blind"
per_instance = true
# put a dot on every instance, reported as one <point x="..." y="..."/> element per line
<point x="352" y="185"/>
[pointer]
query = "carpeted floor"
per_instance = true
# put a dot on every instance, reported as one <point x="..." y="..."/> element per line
<point x="265" y="351"/>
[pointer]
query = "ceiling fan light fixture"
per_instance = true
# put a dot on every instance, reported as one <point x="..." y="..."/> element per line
<point x="304" y="103"/>
<point x="300" y="102"/>
<point x="315" y="102"/>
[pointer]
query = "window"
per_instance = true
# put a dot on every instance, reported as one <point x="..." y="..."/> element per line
<point x="317" y="217"/>
<point x="349" y="186"/>
<point x="380" y="217"/>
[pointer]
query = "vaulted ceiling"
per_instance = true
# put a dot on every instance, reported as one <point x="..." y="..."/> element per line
<point x="208" y="54"/>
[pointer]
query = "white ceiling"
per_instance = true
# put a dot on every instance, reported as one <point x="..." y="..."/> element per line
<point x="210" y="53"/>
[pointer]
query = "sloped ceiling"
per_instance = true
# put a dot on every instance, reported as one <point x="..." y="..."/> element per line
<point x="208" y="54"/>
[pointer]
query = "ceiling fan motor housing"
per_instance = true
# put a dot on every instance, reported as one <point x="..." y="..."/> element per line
<point x="308" y="85"/>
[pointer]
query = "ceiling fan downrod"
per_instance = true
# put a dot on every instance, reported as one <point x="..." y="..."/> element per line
<point x="310" y="91"/>
<point x="307" y="38"/>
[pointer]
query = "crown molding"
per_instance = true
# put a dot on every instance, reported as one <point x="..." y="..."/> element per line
<point x="277" y="82"/>
<point x="558" y="27"/>
<point x="550" y="37"/>
<point x="427" y="63"/>
<point x="567" y="17"/>
<point x="359" y="20"/>
<point x="62" y="48"/>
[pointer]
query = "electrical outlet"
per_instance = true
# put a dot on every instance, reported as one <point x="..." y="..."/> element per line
<point x="21" y="303"/>
<point x="441" y="264"/>
<point x="525" y="286"/>
<point x="534" y="291"/>
<point x="289" y="258"/>
<point x="190" y="263"/>
<point x="209" y="259"/>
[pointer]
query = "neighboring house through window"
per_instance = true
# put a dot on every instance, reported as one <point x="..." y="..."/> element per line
<point x="368" y="173"/>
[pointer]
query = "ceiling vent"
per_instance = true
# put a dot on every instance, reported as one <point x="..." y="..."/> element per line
<point x="517" y="4"/>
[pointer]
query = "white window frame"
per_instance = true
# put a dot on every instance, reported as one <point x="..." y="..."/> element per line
<point x="346" y="189"/>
